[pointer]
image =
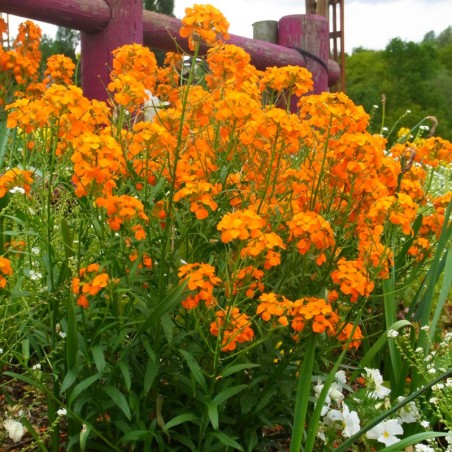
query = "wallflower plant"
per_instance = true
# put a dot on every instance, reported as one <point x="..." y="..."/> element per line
<point x="205" y="254"/>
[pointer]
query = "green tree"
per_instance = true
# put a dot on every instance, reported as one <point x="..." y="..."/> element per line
<point x="160" y="6"/>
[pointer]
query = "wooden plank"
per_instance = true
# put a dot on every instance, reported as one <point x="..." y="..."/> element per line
<point x="89" y="16"/>
<point x="124" y="27"/>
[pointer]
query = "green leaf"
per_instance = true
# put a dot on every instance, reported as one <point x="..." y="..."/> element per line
<point x="135" y="435"/>
<point x="83" y="386"/>
<point x="228" y="393"/>
<point x="186" y="417"/>
<point x="162" y="308"/>
<point x="195" y="369"/>
<point x="226" y="440"/>
<point x="125" y="374"/>
<point x="367" y="358"/>
<point x="84" y="434"/>
<point x="98" y="356"/>
<point x="152" y="370"/>
<point x="237" y="368"/>
<point x="119" y="400"/>
<point x="69" y="379"/>
<point x="212" y="411"/>
<point x="414" y="439"/>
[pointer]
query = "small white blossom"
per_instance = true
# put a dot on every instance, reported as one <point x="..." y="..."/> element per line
<point x="386" y="432"/>
<point x="433" y="400"/>
<point x="36" y="250"/>
<point x="425" y="424"/>
<point x="15" y="429"/>
<point x="17" y="190"/>
<point x="392" y="333"/>
<point x="348" y="421"/>
<point x="62" y="334"/>
<point x="62" y="412"/>
<point x="432" y="371"/>
<point x="1" y="350"/>
<point x="340" y="377"/>
<point x="35" y="276"/>
<point x="425" y="328"/>
<point x="408" y="413"/>
<point x="376" y="388"/>
<point x="37" y="367"/>
<point x="423" y="448"/>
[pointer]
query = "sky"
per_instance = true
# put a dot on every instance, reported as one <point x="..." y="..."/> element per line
<point x="368" y="23"/>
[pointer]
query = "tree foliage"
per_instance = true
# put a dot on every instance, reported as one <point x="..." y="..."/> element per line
<point x="410" y="76"/>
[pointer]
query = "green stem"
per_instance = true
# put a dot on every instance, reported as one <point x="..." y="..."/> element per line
<point x="302" y="399"/>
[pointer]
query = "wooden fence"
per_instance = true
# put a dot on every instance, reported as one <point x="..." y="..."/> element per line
<point x="303" y="40"/>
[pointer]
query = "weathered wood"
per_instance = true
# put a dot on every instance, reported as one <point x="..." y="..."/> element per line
<point x="266" y="30"/>
<point x="125" y="27"/>
<point x="89" y="16"/>
<point x="309" y="33"/>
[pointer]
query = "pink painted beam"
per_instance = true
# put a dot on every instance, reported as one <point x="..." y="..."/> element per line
<point x="125" y="27"/>
<point x="89" y="16"/>
<point x="162" y="32"/>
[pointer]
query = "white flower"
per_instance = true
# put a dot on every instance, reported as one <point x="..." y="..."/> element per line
<point x="35" y="276"/>
<point x="36" y="250"/>
<point x="62" y="334"/>
<point x="37" y="367"/>
<point x="425" y="424"/>
<point x="425" y="328"/>
<point x="386" y="432"/>
<point x="15" y="429"/>
<point x="348" y="420"/>
<point x="408" y="413"/>
<point x="62" y="412"/>
<point x="377" y="390"/>
<point x="423" y="448"/>
<point x="17" y="190"/>
<point x="340" y="377"/>
<point x="1" y="350"/>
<point x="152" y="105"/>
<point x="392" y="333"/>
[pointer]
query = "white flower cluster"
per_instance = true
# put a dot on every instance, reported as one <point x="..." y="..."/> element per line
<point x="338" y="418"/>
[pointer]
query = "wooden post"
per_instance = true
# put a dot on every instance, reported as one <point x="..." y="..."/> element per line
<point x="266" y="30"/>
<point x="310" y="34"/>
<point x="125" y="27"/>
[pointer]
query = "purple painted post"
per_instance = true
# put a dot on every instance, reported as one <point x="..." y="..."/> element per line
<point x="309" y="33"/>
<point x="125" y="27"/>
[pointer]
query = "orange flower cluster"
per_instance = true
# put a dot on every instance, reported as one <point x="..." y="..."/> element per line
<point x="15" y="178"/>
<point x="353" y="279"/>
<point x="5" y="270"/>
<point x="60" y="70"/>
<point x="206" y="23"/>
<point x="19" y="65"/>
<point x="317" y="311"/>
<point x="294" y="79"/>
<point x="121" y="209"/>
<point x="313" y="234"/>
<point x="232" y="326"/>
<point x="98" y="163"/>
<point x="201" y="279"/>
<point x="346" y="333"/>
<point x="90" y="282"/>
<point x="134" y="72"/>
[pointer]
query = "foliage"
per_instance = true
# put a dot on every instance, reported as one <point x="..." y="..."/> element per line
<point x="415" y="77"/>
<point x="182" y="262"/>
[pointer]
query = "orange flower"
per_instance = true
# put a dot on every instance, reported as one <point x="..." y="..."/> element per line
<point x="89" y="283"/>
<point x="316" y="311"/>
<point x="353" y="279"/>
<point x="346" y="332"/>
<point x="269" y="306"/>
<point x="206" y="23"/>
<point x="15" y="178"/>
<point x="5" y="269"/>
<point x="233" y="326"/>
<point x="60" y="69"/>
<point x="201" y="278"/>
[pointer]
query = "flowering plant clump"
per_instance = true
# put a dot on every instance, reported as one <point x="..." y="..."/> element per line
<point x="193" y="253"/>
